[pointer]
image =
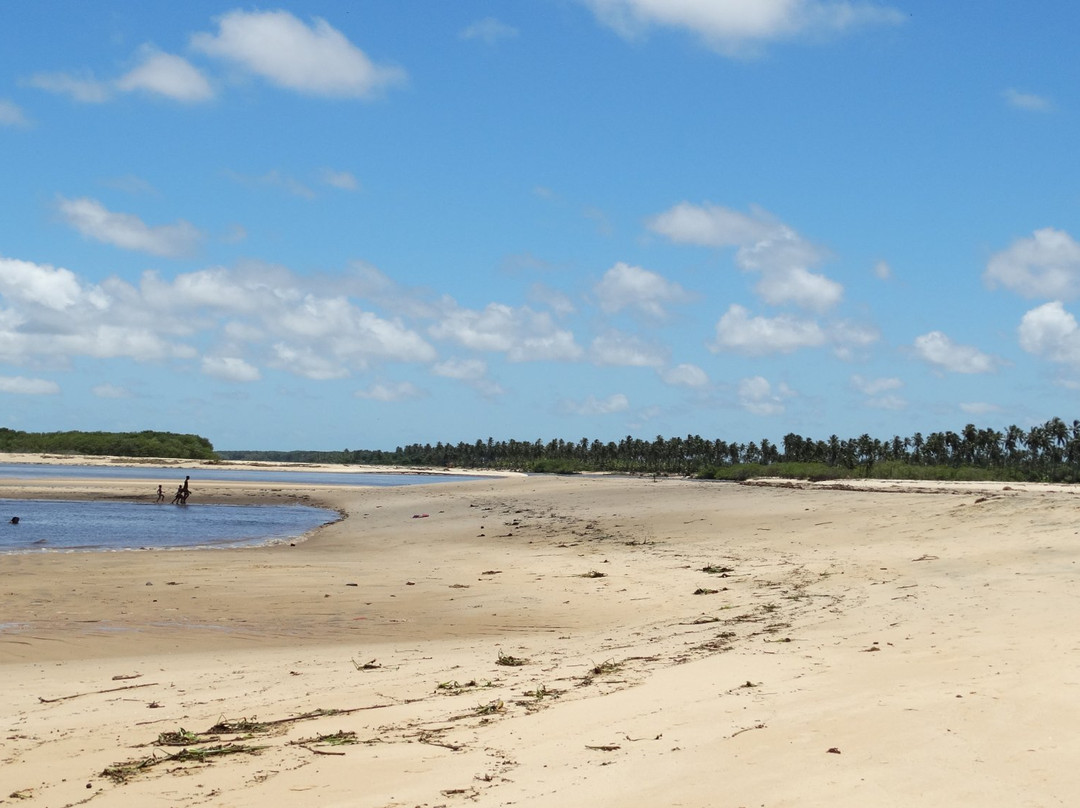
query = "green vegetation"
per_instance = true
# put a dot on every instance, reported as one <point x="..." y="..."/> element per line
<point x="119" y="444"/>
<point x="1048" y="452"/>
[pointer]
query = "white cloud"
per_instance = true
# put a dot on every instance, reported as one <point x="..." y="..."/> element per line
<point x="874" y="387"/>
<point x="128" y="231"/>
<point x="1045" y="265"/>
<point x="882" y="271"/>
<point x="521" y="333"/>
<point x="757" y="336"/>
<point x="461" y="369"/>
<point x="342" y="180"/>
<point x="741" y="27"/>
<point x="939" y="350"/>
<point x="626" y="350"/>
<point x="389" y="392"/>
<point x="85" y="89"/>
<point x="1051" y="332"/>
<point x="29" y="387"/>
<point x="168" y="75"/>
<point x="594" y="406"/>
<point x="874" y="390"/>
<point x="555" y="300"/>
<point x="316" y="59"/>
<point x="756" y="395"/>
<point x="41" y="284"/>
<point x="489" y="30"/>
<point x="765" y="245"/>
<point x="230" y="369"/>
<point x="1027" y="101"/>
<point x="979" y="408"/>
<point x="293" y="323"/>
<point x="685" y="375"/>
<point x="624" y="286"/>
<point x="11" y="114"/>
<point x="110" y="391"/>
<point x="845" y="337"/>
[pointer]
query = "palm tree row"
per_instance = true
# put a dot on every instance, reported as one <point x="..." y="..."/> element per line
<point x="1049" y="451"/>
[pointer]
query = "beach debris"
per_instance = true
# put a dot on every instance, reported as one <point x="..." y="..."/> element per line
<point x="926" y="557"/>
<point x="21" y="794"/>
<point x="122" y="676"/>
<point x="832" y="750"/>
<point x="717" y="569"/>
<point x="367" y="666"/>
<point x="420" y="516"/>
<point x="747" y="729"/>
<point x="510" y="661"/>
<point x="606" y="747"/>
<point x="593" y="574"/>
<point x="491" y="572"/>
<point x="125" y="770"/>
<point x="491" y="708"/>
<point x="340" y="738"/>
<point x="703" y="591"/>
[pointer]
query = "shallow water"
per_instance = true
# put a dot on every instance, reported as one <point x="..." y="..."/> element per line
<point x="164" y="474"/>
<point x="61" y="525"/>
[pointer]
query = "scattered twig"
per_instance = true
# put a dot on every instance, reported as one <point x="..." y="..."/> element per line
<point x="747" y="729"/>
<point x="95" y="692"/>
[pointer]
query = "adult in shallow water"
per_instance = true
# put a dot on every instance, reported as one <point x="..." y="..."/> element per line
<point x="14" y="520"/>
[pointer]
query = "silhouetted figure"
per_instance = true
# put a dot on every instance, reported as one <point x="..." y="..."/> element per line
<point x="160" y="494"/>
<point x="186" y="490"/>
<point x="179" y="498"/>
<point x="14" y="520"/>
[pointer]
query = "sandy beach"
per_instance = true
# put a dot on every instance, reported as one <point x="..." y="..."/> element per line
<point x="558" y="641"/>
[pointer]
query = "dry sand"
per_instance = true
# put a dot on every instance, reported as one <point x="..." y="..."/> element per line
<point x="892" y="646"/>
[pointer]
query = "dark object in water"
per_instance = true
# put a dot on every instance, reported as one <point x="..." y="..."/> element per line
<point x="14" y="520"/>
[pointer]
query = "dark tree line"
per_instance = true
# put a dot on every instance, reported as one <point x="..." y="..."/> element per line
<point x="120" y="444"/>
<point x="1050" y="451"/>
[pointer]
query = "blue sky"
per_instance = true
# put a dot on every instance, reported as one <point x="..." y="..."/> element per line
<point x="363" y="224"/>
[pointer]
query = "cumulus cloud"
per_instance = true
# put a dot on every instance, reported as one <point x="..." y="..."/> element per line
<point x="28" y="387"/>
<point x="489" y="30"/>
<point x="40" y="284"/>
<point x="594" y="406"/>
<point x="315" y="60"/>
<point x="11" y="114"/>
<point x="230" y="369"/>
<point x="1050" y="332"/>
<point x="765" y="245"/>
<point x="1027" y="101"/>
<point x="1045" y="265"/>
<point x="685" y="375"/>
<point x="738" y="27"/>
<point x="128" y="231"/>
<point x="757" y="336"/>
<point x="519" y="332"/>
<point x="391" y="391"/>
<point x="301" y="325"/>
<point x="630" y="287"/>
<point x="939" y="350"/>
<point x="626" y="350"/>
<point x="168" y="75"/>
<point x="756" y="395"/>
